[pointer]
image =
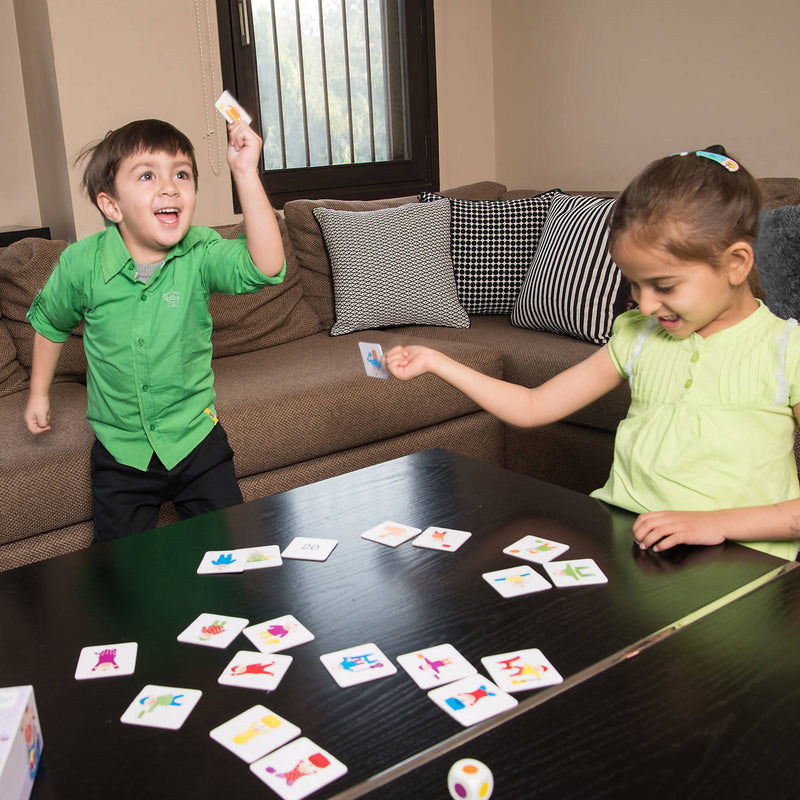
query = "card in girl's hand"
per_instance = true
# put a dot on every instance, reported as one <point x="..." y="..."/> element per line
<point x="515" y="581"/>
<point x="261" y="557"/>
<point x="309" y="549"/>
<point x="536" y="549"/>
<point x="255" y="670"/>
<point x="278" y="634"/>
<point x="217" y="561"/>
<point x="161" y="707"/>
<point x="106" y="660"/>
<point x="254" y="733"/>
<point x="213" y="630"/>
<point x="521" y="670"/>
<point x="579" y="572"/>
<point x="298" y="769"/>
<point x="436" y="666"/>
<point x="390" y="533"/>
<point x="357" y="665"/>
<point x="472" y="699"/>
<point x="231" y="109"/>
<point x="372" y="356"/>
<point x="445" y="539"/>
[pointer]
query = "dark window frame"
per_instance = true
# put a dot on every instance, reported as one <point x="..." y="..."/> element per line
<point x="418" y="173"/>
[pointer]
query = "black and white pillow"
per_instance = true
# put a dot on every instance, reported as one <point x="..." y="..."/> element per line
<point x="573" y="286"/>
<point x="492" y="244"/>
<point x="392" y="267"/>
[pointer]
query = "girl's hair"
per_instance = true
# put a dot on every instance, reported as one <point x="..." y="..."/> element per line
<point x="692" y="205"/>
<point x="144" y="135"/>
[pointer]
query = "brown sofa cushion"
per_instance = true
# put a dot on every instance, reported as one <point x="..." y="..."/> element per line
<point x="13" y="378"/>
<point x="274" y="315"/>
<point x="309" y="245"/>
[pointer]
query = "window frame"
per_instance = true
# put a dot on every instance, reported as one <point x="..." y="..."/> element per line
<point x="418" y="173"/>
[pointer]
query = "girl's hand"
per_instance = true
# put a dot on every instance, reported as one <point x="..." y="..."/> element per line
<point x="244" y="147"/>
<point x="408" y="362"/>
<point x="664" y="529"/>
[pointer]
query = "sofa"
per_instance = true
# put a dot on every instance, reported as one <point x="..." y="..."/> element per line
<point x="292" y="389"/>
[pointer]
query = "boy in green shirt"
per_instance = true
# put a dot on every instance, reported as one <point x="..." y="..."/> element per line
<point x="142" y="288"/>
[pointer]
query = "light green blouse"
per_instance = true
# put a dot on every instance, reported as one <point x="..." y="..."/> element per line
<point x="710" y="424"/>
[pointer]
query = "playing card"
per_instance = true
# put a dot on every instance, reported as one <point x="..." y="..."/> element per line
<point x="436" y="666"/>
<point x="221" y="561"/>
<point x="391" y="533"/>
<point x="308" y="549"/>
<point x="536" y="549"/>
<point x="472" y="699"/>
<point x="161" y="707"/>
<point x="575" y="573"/>
<point x="106" y="660"/>
<point x="255" y="670"/>
<point x="515" y="581"/>
<point x="372" y="356"/>
<point x="520" y="670"/>
<point x="213" y="630"/>
<point x="254" y="733"/>
<point x="229" y="107"/>
<point x="261" y="557"/>
<point x="298" y="769"/>
<point x="278" y="634"/>
<point x="357" y="664"/>
<point x="445" y="539"/>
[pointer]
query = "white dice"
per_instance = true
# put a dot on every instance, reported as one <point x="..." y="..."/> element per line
<point x="470" y="779"/>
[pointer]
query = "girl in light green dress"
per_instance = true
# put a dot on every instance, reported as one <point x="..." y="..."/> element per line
<point x="705" y="452"/>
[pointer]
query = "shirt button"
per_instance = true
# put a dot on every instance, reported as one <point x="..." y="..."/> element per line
<point x="695" y="357"/>
<point x="145" y="388"/>
<point x="140" y="342"/>
<point x="143" y="296"/>
<point x="152" y="427"/>
<point x="687" y="384"/>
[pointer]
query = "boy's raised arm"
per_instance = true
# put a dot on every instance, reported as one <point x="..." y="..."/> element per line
<point x="261" y="228"/>
<point x="45" y="359"/>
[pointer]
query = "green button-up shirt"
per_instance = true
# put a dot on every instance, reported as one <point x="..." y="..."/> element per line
<point x="148" y="346"/>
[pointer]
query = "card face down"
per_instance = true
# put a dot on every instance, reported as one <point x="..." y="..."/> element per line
<point x="254" y="733"/>
<point x="436" y="666"/>
<point x="161" y="707"/>
<point x="298" y="769"/>
<point x="521" y="670"/>
<point x="472" y="699"/>
<point x="306" y="548"/>
<point x="106" y="660"/>
<point x="359" y="664"/>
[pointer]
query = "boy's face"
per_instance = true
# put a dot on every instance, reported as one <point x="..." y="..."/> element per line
<point x="153" y="204"/>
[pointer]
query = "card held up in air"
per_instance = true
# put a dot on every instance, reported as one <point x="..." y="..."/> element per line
<point x="254" y="733"/>
<point x="106" y="660"/>
<point x="536" y="549"/>
<point x="213" y="630"/>
<point x="579" y="572"/>
<point x="516" y="581"/>
<point x="372" y="356"/>
<point x="390" y="533"/>
<point x="472" y="699"/>
<point x="358" y="664"/>
<point x="298" y="769"/>
<point x="255" y="670"/>
<point x="231" y="109"/>
<point x="436" y="666"/>
<point x="161" y="707"/>
<point x="278" y="634"/>
<point x="521" y="670"/>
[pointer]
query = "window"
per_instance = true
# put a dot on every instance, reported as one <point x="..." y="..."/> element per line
<point x="342" y="91"/>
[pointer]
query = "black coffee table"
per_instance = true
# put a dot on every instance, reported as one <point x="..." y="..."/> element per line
<point x="145" y="589"/>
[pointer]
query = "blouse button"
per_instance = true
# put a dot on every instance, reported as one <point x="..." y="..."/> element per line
<point x="695" y="357"/>
<point x="687" y="384"/>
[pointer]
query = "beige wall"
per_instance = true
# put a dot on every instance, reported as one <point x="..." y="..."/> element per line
<point x="589" y="91"/>
<point x="534" y="93"/>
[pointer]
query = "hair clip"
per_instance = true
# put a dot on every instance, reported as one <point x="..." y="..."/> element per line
<point x="725" y="161"/>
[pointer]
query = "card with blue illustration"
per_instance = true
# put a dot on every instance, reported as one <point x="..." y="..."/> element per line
<point x="161" y="707"/>
<point x="472" y="699"/>
<point x="372" y="356"/>
<point x="435" y="666"/>
<point x="579" y="572"/>
<point x="358" y="664"/>
<point x="254" y="733"/>
<point x="521" y="670"/>
<point x="516" y="581"/>
<point x="221" y="561"/>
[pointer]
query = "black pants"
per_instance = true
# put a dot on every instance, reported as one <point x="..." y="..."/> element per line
<point x="127" y="500"/>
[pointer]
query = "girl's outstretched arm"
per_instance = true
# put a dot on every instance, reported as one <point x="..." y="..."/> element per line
<point x="562" y="395"/>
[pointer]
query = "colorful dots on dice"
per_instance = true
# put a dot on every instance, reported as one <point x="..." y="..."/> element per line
<point x="470" y="779"/>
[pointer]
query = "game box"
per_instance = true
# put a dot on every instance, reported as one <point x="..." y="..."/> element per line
<point x="20" y="742"/>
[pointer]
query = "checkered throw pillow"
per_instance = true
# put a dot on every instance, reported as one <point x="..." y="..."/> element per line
<point x="492" y="245"/>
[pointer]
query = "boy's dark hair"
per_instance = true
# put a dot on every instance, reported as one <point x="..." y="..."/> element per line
<point x="690" y="205"/>
<point x="144" y="135"/>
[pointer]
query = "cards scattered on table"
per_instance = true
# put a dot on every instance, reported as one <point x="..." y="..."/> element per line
<point x="521" y="670"/>
<point x="213" y="630"/>
<point x="255" y="670"/>
<point x="372" y="356"/>
<point x="516" y="581"/>
<point x="254" y="733"/>
<point x="536" y="549"/>
<point x="445" y="539"/>
<point x="580" y="572"/>
<point x="357" y="664"/>
<point x="230" y="108"/>
<point x="278" y="634"/>
<point x="298" y="769"/>
<point x="161" y="707"/>
<point x="106" y="660"/>
<point x="390" y="533"/>
<point x="308" y="549"/>
<point x="472" y="699"/>
<point x="436" y="666"/>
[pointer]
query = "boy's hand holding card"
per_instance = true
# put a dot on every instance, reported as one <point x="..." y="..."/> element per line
<point x="374" y="362"/>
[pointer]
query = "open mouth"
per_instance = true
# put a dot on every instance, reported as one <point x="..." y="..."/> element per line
<point x="168" y="216"/>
